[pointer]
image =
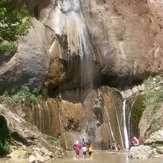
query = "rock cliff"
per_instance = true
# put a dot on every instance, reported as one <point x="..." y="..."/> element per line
<point x="126" y="38"/>
<point x="75" y="47"/>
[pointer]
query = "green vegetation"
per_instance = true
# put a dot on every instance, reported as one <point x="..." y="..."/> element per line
<point x="136" y="114"/>
<point x="14" y="22"/>
<point x="22" y="96"/>
<point x="4" y="146"/>
<point x="4" y="135"/>
<point x="52" y="140"/>
<point x="153" y="98"/>
<point x="152" y="81"/>
<point x="156" y="145"/>
<point x="7" y="47"/>
<point x="153" y="102"/>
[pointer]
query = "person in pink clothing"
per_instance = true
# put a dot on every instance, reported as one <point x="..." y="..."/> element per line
<point x="77" y="148"/>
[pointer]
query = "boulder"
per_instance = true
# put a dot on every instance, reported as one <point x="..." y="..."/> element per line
<point x="140" y="152"/>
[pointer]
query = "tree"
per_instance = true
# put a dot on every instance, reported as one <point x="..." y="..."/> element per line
<point x="14" y="22"/>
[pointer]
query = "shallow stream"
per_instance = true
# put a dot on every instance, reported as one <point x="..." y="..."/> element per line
<point x="105" y="157"/>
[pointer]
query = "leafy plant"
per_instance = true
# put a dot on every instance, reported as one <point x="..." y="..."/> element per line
<point x="8" y="46"/>
<point x="4" y="134"/>
<point x="136" y="114"/>
<point x="153" y="98"/>
<point x="52" y="140"/>
<point x="14" y="22"/>
<point x="4" y="146"/>
<point x="155" y="145"/>
<point x="24" y="95"/>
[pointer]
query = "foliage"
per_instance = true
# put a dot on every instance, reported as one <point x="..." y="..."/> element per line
<point x="4" y="134"/>
<point x="153" y="98"/>
<point x="52" y="140"/>
<point x="14" y="22"/>
<point x="4" y="146"/>
<point x="155" y="145"/>
<point x="24" y="95"/>
<point x="4" y="131"/>
<point x="136" y="114"/>
<point x="7" y="47"/>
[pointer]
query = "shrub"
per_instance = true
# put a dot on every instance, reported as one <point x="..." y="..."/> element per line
<point x="52" y="140"/>
<point x="14" y="22"/>
<point x="24" y="96"/>
<point x="7" y="47"/>
<point x="4" y="146"/>
<point x="153" y="98"/>
<point x="4" y="134"/>
<point x="4" y="131"/>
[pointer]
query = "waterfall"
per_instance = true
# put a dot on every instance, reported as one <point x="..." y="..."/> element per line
<point x="125" y="127"/>
<point x="110" y="127"/>
<point x="129" y="118"/>
<point x="68" y="21"/>
<point x="119" y="125"/>
<point x="49" y="117"/>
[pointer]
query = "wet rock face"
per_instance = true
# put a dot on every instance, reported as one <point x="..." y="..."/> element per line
<point x="127" y="36"/>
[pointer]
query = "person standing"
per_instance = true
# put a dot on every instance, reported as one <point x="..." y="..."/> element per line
<point x="83" y="142"/>
<point x="84" y="149"/>
<point x="90" y="150"/>
<point x="119" y="147"/>
<point x="77" y="148"/>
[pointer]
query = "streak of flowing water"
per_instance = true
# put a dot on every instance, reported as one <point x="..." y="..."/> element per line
<point x="49" y="118"/>
<point x="125" y="127"/>
<point x="110" y="127"/>
<point x="119" y="125"/>
<point x="40" y="119"/>
<point x="129" y="118"/>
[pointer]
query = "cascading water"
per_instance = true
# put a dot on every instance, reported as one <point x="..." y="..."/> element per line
<point x="69" y="22"/>
<point x="118" y="125"/>
<point x="49" y="117"/>
<point x="129" y="118"/>
<point x="77" y="52"/>
<point x="112" y="134"/>
<point x="126" y="143"/>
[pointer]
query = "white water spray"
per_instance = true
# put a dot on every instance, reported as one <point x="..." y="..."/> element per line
<point x="125" y="127"/>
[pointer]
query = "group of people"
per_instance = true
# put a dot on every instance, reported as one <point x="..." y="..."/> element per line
<point x="112" y="147"/>
<point x="133" y="142"/>
<point x="85" y="147"/>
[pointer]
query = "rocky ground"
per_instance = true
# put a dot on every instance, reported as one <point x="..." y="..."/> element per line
<point x="29" y="143"/>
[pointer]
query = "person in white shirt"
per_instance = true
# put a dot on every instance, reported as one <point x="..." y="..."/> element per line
<point x="84" y="149"/>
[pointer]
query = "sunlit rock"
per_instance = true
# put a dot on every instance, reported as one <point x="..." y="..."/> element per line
<point x="140" y="152"/>
<point x="160" y="150"/>
<point x="155" y="137"/>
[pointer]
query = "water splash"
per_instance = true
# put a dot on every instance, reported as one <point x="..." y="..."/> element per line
<point x="125" y="127"/>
